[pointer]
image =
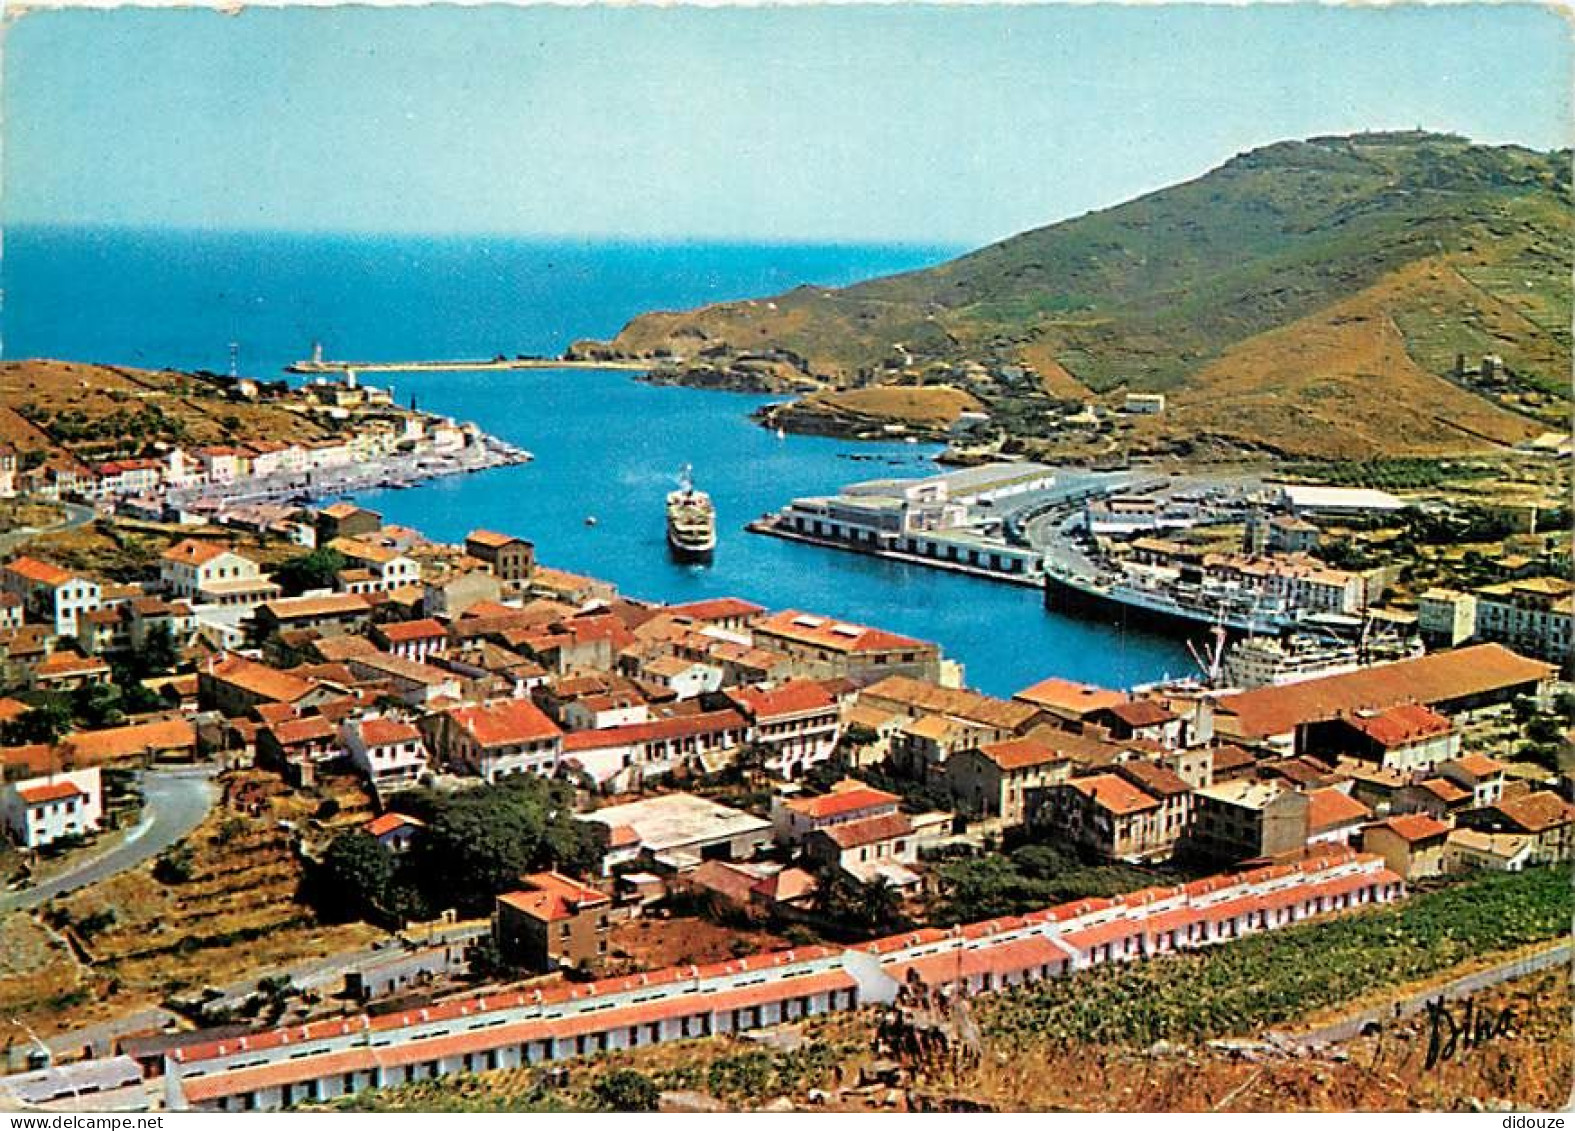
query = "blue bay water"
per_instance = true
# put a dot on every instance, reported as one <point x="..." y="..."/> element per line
<point x="606" y="445"/>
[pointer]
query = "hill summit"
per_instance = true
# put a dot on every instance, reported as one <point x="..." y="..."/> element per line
<point x="1333" y="297"/>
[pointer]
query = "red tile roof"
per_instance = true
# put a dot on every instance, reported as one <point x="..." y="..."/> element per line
<point x="424" y="629"/>
<point x="43" y="573"/>
<point x="1021" y="754"/>
<point x="195" y="551"/>
<point x="1114" y="793"/>
<point x="1400" y="725"/>
<point x="680" y="726"/>
<point x="551" y="896"/>
<point x="505" y="722"/>
<point x="1069" y="697"/>
<point x="717" y="608"/>
<point x="388" y="822"/>
<point x="1140" y="713"/>
<point x="1438" y="678"/>
<point x="843" y="799"/>
<point x="387" y="732"/>
<point x="1329" y="808"/>
<point x="50" y="791"/>
<point x="1537" y="812"/>
<point x="835" y="635"/>
<point x="331" y="605"/>
<point x="796" y="696"/>
<point x="260" y="680"/>
<point x="1478" y="765"/>
<point x="867" y="830"/>
<point x="1414" y="827"/>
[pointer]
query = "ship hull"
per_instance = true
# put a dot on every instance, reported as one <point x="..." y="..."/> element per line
<point x="689" y="552"/>
<point x="1062" y="596"/>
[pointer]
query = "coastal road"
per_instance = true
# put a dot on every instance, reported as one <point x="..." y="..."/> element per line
<point x="174" y="803"/>
<point x="76" y="515"/>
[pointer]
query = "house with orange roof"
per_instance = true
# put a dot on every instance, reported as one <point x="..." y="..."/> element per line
<point x="298" y="747"/>
<point x="721" y="612"/>
<point x="1436" y="796"/>
<point x="50" y="594"/>
<point x="144" y="742"/>
<point x="1334" y="816"/>
<point x="627" y="757"/>
<point x="1542" y="815"/>
<point x="346" y="520"/>
<point x="1249" y="819"/>
<point x="390" y="753"/>
<point x="395" y="831"/>
<point x="1146" y="720"/>
<point x="553" y="923"/>
<point x="1412" y="844"/>
<point x="794" y="817"/>
<point x="233" y="685"/>
<point x="1106" y="814"/>
<point x="496" y="740"/>
<point x="64" y="670"/>
<point x="795" y="724"/>
<point x="1460" y="681"/>
<point x="210" y="572"/>
<point x="824" y="646"/>
<point x="412" y="639"/>
<point x="37" y="812"/>
<point x="1407" y="737"/>
<point x="995" y="780"/>
<point x="872" y="849"/>
<point x="1482" y="775"/>
<point x="1067" y="699"/>
<point x="512" y="560"/>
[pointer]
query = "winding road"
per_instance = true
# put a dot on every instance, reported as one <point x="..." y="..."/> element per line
<point x="76" y="515"/>
<point x="175" y="801"/>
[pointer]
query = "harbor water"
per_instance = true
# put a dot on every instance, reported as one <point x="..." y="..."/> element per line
<point x="607" y="446"/>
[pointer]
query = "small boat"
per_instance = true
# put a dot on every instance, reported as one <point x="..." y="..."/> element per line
<point x="781" y="435"/>
<point x="691" y="521"/>
<point x="590" y="520"/>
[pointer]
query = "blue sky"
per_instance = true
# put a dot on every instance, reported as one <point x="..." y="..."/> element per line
<point x="915" y="124"/>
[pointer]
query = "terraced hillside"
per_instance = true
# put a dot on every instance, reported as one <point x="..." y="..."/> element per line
<point x="100" y="412"/>
<point x="1206" y="290"/>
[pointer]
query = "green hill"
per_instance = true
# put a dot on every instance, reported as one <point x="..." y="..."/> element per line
<point x="1450" y="247"/>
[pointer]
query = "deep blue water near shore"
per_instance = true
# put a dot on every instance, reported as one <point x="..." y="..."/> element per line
<point x="605" y="444"/>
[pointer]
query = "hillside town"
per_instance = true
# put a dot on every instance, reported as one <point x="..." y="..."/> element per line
<point x="559" y="774"/>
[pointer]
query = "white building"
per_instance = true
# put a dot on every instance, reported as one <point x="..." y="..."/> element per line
<point x="1445" y="618"/>
<point x="195" y="569"/>
<point x="388" y="753"/>
<point x="51" y="594"/>
<point x="1533" y="616"/>
<point x="39" y="811"/>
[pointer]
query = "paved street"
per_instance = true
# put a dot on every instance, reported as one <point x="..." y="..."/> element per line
<point x="175" y="802"/>
<point x="76" y="515"/>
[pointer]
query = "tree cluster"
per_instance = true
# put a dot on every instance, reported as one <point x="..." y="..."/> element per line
<point x="475" y="846"/>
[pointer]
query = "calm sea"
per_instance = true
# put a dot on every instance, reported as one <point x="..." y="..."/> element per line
<point x="606" y="446"/>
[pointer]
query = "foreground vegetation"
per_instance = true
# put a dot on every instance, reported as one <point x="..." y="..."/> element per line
<point x="1273" y="978"/>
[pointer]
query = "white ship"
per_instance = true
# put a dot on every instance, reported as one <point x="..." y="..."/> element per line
<point x="1267" y="661"/>
<point x="691" y="521"/>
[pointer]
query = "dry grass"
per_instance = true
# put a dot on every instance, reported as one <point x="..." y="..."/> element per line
<point x="54" y="387"/>
<point x="1339" y="384"/>
<point x="236" y="919"/>
<point x="929" y="406"/>
<point x="1528" y="1068"/>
